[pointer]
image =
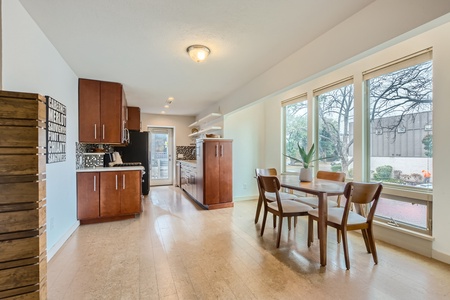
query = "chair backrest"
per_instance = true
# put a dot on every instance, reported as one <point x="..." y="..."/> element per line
<point x="265" y="172"/>
<point x="361" y="194"/>
<point x="335" y="176"/>
<point x="270" y="184"/>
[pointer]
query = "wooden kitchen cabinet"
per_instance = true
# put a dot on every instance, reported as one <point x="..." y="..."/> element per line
<point x="100" y="112"/>
<point x="88" y="195"/>
<point x="120" y="193"/>
<point x="214" y="173"/>
<point x="134" y="118"/>
<point x="108" y="195"/>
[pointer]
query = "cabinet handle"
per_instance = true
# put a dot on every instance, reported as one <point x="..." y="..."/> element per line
<point x="123" y="181"/>
<point x="216" y="147"/>
<point x="103" y="132"/>
<point x="95" y="131"/>
<point x="95" y="183"/>
<point x="221" y="150"/>
<point x="116" y="183"/>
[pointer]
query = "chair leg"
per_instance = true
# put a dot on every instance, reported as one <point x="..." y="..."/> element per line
<point x="258" y="210"/>
<point x="274" y="221"/>
<point x="289" y="223"/>
<point x="295" y="221"/>
<point x="338" y="235"/>
<point x="366" y="240"/>
<point x="372" y="244"/>
<point x="279" y="232"/>
<point x="310" y="230"/>
<point x="264" y="222"/>
<point x="345" y="244"/>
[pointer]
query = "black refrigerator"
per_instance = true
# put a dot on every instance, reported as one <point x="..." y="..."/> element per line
<point x="138" y="150"/>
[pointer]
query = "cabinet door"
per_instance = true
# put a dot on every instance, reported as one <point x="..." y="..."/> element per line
<point x="226" y="172"/>
<point x="111" y="112"/>
<point x="109" y="194"/>
<point x="130" y="193"/>
<point x="89" y="127"/>
<point x="88" y="195"/>
<point x="211" y="169"/>
<point x="134" y="118"/>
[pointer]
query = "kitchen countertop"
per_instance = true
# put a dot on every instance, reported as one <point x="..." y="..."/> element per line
<point x="110" y="169"/>
<point x="190" y="162"/>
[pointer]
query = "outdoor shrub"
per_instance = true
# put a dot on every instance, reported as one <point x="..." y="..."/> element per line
<point x="336" y="168"/>
<point x="383" y="173"/>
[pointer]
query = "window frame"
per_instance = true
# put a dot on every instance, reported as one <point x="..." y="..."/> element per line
<point x="408" y="194"/>
<point x="290" y="101"/>
<point x="316" y="93"/>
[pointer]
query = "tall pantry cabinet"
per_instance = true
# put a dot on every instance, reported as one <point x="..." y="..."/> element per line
<point x="23" y="259"/>
<point x="214" y="173"/>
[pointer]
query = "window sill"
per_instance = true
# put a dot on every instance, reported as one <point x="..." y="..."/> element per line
<point x="405" y="231"/>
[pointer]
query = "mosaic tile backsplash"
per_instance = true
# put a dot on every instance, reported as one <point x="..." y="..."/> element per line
<point x="87" y="158"/>
<point x="187" y="153"/>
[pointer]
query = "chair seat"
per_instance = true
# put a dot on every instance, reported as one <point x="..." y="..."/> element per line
<point x="290" y="206"/>
<point x="335" y="216"/>
<point x="314" y="201"/>
<point x="283" y="196"/>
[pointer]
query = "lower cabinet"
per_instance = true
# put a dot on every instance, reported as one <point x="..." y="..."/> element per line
<point x="108" y="194"/>
<point x="88" y="195"/>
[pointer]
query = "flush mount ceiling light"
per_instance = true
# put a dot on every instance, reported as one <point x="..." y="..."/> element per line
<point x="198" y="53"/>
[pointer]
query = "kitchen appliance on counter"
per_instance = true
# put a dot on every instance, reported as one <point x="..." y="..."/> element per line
<point x="138" y="151"/>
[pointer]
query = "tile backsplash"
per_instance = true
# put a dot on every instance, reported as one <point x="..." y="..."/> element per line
<point x="87" y="158"/>
<point x="186" y="153"/>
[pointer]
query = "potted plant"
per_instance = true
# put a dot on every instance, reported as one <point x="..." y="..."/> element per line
<point x="306" y="158"/>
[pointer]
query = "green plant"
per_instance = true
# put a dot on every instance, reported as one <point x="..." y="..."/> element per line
<point x="336" y="168"/>
<point x="306" y="157"/>
<point x="383" y="173"/>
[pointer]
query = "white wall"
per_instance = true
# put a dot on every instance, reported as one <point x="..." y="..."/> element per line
<point x="32" y="64"/>
<point x="246" y="128"/>
<point x="180" y="123"/>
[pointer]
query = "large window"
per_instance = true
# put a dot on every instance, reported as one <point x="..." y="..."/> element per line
<point x="400" y="100"/>
<point x="335" y="110"/>
<point x="295" y="111"/>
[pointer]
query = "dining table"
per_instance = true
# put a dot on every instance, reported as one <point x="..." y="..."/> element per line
<point x="322" y="189"/>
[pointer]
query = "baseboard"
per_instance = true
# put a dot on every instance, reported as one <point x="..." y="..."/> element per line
<point x="414" y="243"/>
<point x="51" y="252"/>
<point x="441" y="256"/>
<point x="246" y="198"/>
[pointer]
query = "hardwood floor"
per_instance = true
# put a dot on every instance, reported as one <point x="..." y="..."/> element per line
<point x="174" y="250"/>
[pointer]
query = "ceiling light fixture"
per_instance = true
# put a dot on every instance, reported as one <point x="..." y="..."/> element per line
<point x="198" y="53"/>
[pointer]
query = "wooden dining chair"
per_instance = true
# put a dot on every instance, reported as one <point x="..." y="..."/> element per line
<point x="279" y="208"/>
<point x="364" y="196"/>
<point x="314" y="201"/>
<point x="270" y="196"/>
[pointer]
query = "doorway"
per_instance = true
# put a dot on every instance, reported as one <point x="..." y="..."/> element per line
<point x="161" y="154"/>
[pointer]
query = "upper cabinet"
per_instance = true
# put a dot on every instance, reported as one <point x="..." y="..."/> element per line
<point x="208" y="124"/>
<point x="134" y="118"/>
<point x="100" y="112"/>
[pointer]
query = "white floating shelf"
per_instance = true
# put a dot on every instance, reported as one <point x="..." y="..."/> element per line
<point x="94" y="153"/>
<point x="209" y="129"/>
<point x="205" y="119"/>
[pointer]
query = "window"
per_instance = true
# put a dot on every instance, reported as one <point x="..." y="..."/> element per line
<point x="400" y="106"/>
<point x="295" y="112"/>
<point x="335" y="126"/>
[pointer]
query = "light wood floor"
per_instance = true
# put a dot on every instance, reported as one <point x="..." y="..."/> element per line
<point x="176" y="251"/>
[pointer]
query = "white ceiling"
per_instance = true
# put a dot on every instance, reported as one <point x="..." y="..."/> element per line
<point x="142" y="43"/>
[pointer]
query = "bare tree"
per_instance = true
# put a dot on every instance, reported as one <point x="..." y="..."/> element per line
<point x="335" y="117"/>
<point x="402" y="93"/>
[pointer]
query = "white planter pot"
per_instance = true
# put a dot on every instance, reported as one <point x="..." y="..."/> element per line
<point x="306" y="174"/>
